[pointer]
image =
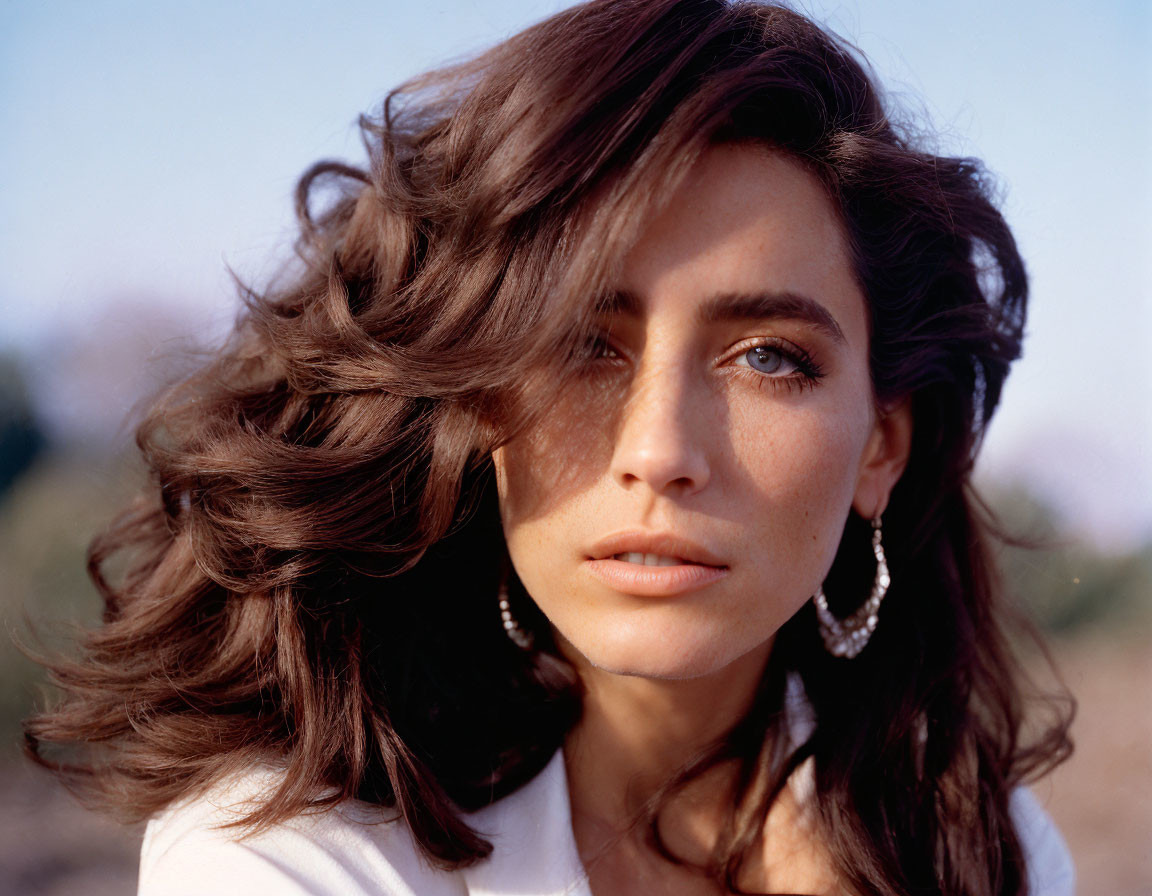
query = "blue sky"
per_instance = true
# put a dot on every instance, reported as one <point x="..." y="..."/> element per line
<point x="146" y="145"/>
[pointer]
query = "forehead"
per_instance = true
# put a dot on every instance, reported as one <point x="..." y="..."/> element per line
<point x="745" y="220"/>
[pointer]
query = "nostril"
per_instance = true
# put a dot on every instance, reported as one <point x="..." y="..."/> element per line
<point x="667" y="471"/>
<point x="656" y="442"/>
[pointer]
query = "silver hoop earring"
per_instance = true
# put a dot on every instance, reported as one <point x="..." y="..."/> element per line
<point x="518" y="636"/>
<point x="848" y="636"/>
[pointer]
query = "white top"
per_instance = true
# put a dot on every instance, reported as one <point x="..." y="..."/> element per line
<point x="350" y="851"/>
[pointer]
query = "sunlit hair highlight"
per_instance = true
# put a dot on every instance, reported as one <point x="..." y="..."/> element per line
<point x="310" y="578"/>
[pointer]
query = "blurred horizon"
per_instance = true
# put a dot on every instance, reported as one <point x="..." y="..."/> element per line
<point x="151" y="147"/>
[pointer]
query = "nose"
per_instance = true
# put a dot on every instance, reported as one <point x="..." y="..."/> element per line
<point x="660" y="439"/>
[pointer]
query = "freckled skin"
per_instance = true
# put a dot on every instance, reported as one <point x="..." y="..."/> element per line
<point x="673" y="430"/>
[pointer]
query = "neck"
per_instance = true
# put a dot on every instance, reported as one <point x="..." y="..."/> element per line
<point x="635" y="733"/>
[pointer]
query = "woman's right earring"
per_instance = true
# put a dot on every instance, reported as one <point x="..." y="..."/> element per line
<point x="848" y="636"/>
<point x="519" y="637"/>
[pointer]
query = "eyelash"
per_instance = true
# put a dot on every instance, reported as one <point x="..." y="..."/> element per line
<point x="598" y="348"/>
<point x="807" y="374"/>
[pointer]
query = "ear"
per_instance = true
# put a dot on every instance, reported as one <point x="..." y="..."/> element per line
<point x="884" y="459"/>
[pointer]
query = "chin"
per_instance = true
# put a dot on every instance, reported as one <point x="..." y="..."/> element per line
<point x="666" y="672"/>
<point x="656" y="657"/>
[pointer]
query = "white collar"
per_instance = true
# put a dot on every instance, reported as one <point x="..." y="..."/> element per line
<point x="531" y="829"/>
<point x="532" y="841"/>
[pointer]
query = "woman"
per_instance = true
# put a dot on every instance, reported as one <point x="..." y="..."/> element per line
<point x="591" y="510"/>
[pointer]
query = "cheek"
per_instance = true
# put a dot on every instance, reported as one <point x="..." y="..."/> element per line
<point x="539" y="472"/>
<point x="538" y="482"/>
<point x="800" y="468"/>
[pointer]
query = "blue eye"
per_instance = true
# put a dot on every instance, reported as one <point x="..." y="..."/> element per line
<point x="779" y="363"/>
<point x="764" y="359"/>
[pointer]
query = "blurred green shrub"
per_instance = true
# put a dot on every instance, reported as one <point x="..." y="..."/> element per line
<point x="47" y="518"/>
<point x="21" y="439"/>
<point x="1065" y="583"/>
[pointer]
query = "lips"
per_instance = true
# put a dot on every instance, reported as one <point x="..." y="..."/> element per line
<point x="653" y="564"/>
<point x="654" y="544"/>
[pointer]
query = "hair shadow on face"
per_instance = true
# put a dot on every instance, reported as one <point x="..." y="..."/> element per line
<point x="563" y="453"/>
<point x="572" y="451"/>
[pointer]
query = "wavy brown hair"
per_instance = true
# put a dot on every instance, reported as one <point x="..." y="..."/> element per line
<point x="311" y="574"/>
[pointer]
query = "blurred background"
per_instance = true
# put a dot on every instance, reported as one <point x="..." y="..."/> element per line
<point x="150" y="148"/>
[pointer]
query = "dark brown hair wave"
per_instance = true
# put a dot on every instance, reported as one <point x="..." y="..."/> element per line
<point x="311" y="575"/>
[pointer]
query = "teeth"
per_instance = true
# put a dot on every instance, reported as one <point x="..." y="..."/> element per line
<point x="648" y="559"/>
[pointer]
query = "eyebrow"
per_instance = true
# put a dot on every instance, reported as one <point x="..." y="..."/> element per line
<point x="770" y="305"/>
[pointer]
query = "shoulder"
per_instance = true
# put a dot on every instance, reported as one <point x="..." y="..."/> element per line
<point x="352" y="850"/>
<point x="1050" y="868"/>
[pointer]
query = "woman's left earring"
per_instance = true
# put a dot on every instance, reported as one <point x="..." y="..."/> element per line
<point x="848" y="636"/>
<point x="519" y="637"/>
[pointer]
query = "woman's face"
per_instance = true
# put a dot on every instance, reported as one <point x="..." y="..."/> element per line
<point x="687" y="496"/>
